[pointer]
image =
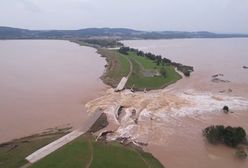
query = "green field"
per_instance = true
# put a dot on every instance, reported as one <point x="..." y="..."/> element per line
<point x="119" y="66"/>
<point x="12" y="154"/>
<point x="156" y="82"/>
<point x="85" y="152"/>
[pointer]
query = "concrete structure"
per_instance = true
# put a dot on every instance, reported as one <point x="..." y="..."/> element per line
<point x="122" y="84"/>
<point x="46" y="150"/>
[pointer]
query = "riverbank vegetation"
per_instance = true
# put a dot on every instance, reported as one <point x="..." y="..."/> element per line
<point x="98" y="43"/>
<point x="230" y="136"/>
<point x="144" y="72"/>
<point x="86" y="152"/>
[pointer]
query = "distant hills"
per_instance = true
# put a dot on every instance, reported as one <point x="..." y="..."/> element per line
<point x="115" y="33"/>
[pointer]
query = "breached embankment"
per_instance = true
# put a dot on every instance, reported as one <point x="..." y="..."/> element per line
<point x="169" y="123"/>
<point x="143" y="113"/>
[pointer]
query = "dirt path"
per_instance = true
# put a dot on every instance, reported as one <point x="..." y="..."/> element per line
<point x="130" y="67"/>
<point x="91" y="154"/>
<point x="140" y="65"/>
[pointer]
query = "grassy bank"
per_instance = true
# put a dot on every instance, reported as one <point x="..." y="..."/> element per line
<point x="145" y="73"/>
<point x="85" y="152"/>
<point x="117" y="67"/>
<point x="142" y="65"/>
<point x="81" y="152"/>
<point x="13" y="153"/>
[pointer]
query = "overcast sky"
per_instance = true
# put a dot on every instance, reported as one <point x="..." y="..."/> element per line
<point x="182" y="15"/>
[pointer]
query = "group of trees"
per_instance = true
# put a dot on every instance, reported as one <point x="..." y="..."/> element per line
<point x="231" y="136"/>
<point x="108" y="43"/>
<point x="186" y="70"/>
<point x="156" y="58"/>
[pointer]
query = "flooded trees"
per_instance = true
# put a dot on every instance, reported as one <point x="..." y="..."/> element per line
<point x="230" y="136"/>
<point x="241" y="153"/>
<point x="225" y="109"/>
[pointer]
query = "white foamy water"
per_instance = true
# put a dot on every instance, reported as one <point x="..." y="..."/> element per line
<point x="162" y="108"/>
<point x="208" y="102"/>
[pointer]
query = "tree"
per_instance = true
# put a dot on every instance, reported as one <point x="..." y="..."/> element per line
<point x="124" y="50"/>
<point x="166" y="60"/>
<point x="231" y="136"/>
<point x="226" y="109"/>
<point x="214" y="134"/>
<point x="158" y="62"/>
<point x="140" y="53"/>
<point x="186" y="73"/>
<point x="241" y="154"/>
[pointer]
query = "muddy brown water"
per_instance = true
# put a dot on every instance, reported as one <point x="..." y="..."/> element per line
<point x="183" y="145"/>
<point x="44" y="84"/>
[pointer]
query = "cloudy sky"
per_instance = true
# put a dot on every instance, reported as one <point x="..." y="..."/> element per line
<point x="182" y="15"/>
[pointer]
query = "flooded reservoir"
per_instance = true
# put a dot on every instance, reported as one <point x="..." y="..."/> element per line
<point x="44" y="84"/>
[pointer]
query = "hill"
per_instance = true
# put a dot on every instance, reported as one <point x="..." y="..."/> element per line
<point x="96" y="33"/>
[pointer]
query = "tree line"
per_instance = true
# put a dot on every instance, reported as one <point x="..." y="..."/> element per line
<point x="230" y="136"/>
<point x="186" y="70"/>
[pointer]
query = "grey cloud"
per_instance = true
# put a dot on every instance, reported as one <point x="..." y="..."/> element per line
<point x="190" y="15"/>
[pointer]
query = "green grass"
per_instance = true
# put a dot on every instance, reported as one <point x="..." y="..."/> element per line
<point x="118" y="67"/>
<point x="146" y="63"/>
<point x="72" y="155"/>
<point x="115" y="155"/>
<point x="123" y="68"/>
<point x="105" y="155"/>
<point x="13" y="155"/>
<point x="140" y="81"/>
